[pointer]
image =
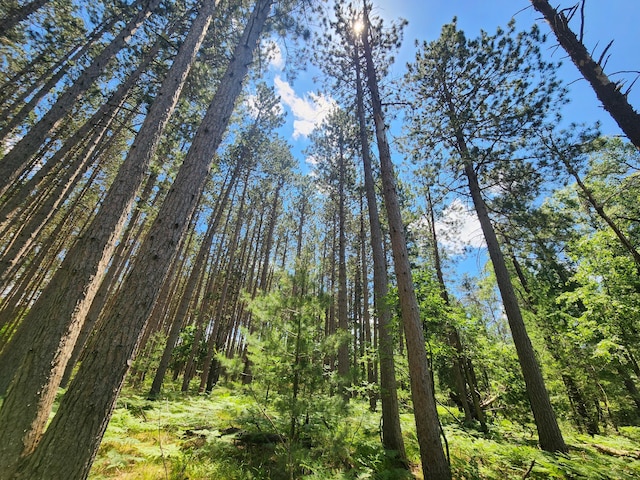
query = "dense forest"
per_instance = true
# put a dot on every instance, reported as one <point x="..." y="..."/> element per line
<point x="186" y="293"/>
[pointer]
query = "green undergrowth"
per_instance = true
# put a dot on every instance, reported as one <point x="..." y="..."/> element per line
<point x="229" y="435"/>
<point x="510" y="452"/>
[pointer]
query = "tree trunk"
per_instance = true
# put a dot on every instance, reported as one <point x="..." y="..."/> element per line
<point x="19" y="14"/>
<point x="109" y="285"/>
<point x="609" y="93"/>
<point x="18" y="158"/>
<point x="189" y="371"/>
<point x="34" y="222"/>
<point x="222" y="303"/>
<point x="434" y="463"/>
<point x="629" y="384"/>
<point x="12" y="355"/>
<point x="84" y="412"/>
<point x="366" y="317"/>
<point x="343" y="347"/>
<point x="98" y="120"/>
<point x="549" y="433"/>
<point x="49" y="85"/>
<point x="54" y="322"/>
<point x="391" y="430"/>
<point x="215" y="323"/>
<point x="624" y="240"/>
<point x="461" y="363"/>
<point x="18" y="79"/>
<point x="30" y="283"/>
<point x="196" y="277"/>
<point x="269" y="240"/>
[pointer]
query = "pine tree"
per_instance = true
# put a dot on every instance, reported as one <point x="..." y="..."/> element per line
<point x="484" y="97"/>
<point x="87" y="397"/>
<point x="434" y="462"/>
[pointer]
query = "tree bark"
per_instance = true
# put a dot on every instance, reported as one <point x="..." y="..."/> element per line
<point x="369" y="346"/>
<point x="54" y="322"/>
<point x="189" y="370"/>
<point x="109" y="284"/>
<point x="84" y="412"/>
<point x="549" y="433"/>
<point x="434" y="463"/>
<point x="268" y="244"/>
<point x="17" y="80"/>
<point x="391" y="430"/>
<point x="343" y="347"/>
<point x="28" y="230"/>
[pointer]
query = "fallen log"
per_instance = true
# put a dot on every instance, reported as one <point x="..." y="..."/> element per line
<point x="614" y="452"/>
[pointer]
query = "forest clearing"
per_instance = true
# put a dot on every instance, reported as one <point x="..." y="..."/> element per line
<point x="265" y="239"/>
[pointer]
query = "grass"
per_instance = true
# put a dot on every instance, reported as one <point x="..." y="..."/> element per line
<point x="195" y="437"/>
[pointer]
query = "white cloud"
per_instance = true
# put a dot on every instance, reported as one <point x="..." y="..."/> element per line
<point x="308" y="110"/>
<point x="311" y="160"/>
<point x="459" y="228"/>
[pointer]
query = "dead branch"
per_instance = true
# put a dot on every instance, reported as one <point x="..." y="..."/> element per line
<point x="528" y="472"/>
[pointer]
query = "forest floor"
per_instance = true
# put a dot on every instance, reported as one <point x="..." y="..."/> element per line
<point x="229" y="435"/>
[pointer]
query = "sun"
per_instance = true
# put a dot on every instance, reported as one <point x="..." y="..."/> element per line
<point x="358" y="27"/>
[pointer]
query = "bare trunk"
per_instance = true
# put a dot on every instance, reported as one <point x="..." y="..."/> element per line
<point x="109" y="284"/>
<point x="205" y="309"/>
<point x="84" y="412"/>
<point x="343" y="347"/>
<point x="222" y="303"/>
<point x="366" y="317"/>
<point x="391" y="430"/>
<point x="55" y="321"/>
<point x="629" y="383"/>
<point x="18" y="80"/>
<point x="609" y="93"/>
<point x="196" y="276"/>
<point x="434" y="463"/>
<point x="549" y="433"/>
<point x="269" y="240"/>
<point x="18" y="158"/>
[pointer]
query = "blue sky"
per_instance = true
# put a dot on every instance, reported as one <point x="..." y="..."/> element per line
<point x="605" y="20"/>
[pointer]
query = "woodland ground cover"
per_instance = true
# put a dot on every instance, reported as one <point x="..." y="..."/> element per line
<point x="229" y="434"/>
